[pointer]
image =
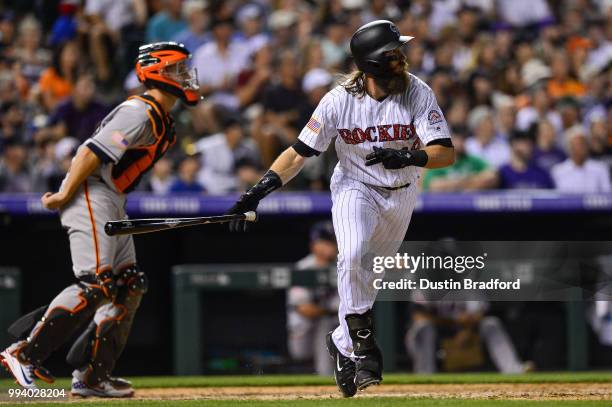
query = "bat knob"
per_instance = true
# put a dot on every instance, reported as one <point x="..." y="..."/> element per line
<point x="109" y="229"/>
<point x="250" y="216"/>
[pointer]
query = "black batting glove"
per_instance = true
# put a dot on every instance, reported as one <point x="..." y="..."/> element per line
<point x="390" y="158"/>
<point x="247" y="202"/>
<point x="250" y="200"/>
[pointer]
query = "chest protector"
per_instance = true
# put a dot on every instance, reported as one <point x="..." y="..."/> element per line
<point x="137" y="160"/>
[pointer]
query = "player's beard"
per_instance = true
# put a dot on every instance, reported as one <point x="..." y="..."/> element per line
<point x="397" y="82"/>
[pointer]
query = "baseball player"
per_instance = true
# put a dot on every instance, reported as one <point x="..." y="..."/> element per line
<point x="109" y="284"/>
<point x="388" y="126"/>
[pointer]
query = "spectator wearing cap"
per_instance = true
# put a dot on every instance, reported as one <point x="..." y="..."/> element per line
<point x="311" y="312"/>
<point x="282" y="24"/>
<point x="468" y="173"/>
<point x="196" y="15"/>
<point x="579" y="173"/>
<point x="79" y="115"/>
<point x="63" y="151"/>
<point x="228" y="162"/>
<point x="57" y="81"/>
<point x="282" y="102"/>
<point x="219" y="62"/>
<point x="521" y="172"/>
<point x="167" y="22"/>
<point x="16" y="175"/>
<point x="485" y="143"/>
<point x="546" y="152"/>
<point x="187" y="181"/>
<point x="250" y="21"/>
<point x="32" y="58"/>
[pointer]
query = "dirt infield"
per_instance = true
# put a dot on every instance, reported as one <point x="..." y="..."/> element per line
<point x="517" y="391"/>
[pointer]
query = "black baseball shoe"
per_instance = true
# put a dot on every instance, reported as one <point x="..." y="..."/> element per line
<point x="368" y="369"/>
<point x="344" y="369"/>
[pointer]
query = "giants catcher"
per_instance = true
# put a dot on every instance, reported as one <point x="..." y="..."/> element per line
<point x="388" y="126"/>
<point x="128" y="142"/>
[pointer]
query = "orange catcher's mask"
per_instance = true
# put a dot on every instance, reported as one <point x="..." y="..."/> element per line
<point x="165" y="66"/>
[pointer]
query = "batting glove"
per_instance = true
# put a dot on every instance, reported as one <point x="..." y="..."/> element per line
<point x="390" y="158"/>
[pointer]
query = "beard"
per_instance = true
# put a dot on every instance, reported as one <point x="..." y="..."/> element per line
<point x="397" y="82"/>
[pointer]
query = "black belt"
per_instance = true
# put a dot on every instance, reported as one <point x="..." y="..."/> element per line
<point x="396" y="188"/>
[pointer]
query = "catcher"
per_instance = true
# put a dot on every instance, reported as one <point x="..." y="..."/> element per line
<point x="110" y="285"/>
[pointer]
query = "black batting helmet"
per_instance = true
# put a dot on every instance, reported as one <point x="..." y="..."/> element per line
<point x="371" y="41"/>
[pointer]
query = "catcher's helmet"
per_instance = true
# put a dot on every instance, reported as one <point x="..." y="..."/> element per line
<point x="371" y="41"/>
<point x="164" y="65"/>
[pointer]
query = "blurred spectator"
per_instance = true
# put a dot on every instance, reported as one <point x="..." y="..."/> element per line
<point x="468" y="173"/>
<point x="312" y="312"/>
<point x="79" y="115"/>
<point x="562" y="83"/>
<point x="521" y="172"/>
<point x="485" y="143"/>
<point x="250" y="19"/>
<point x="282" y="102"/>
<point x="600" y="141"/>
<point x="32" y="59"/>
<point x="63" y="152"/>
<point x="108" y="23"/>
<point x="57" y="81"/>
<point x="187" y="177"/>
<point x="465" y="324"/>
<point x="219" y="62"/>
<point x="579" y="173"/>
<point x="195" y="35"/>
<point x="540" y="108"/>
<point x="167" y="22"/>
<point x="282" y="24"/>
<point x="521" y="13"/>
<point x="16" y="174"/>
<point x="334" y="45"/>
<point x="252" y="81"/>
<point x="228" y="162"/>
<point x="546" y="152"/>
<point x="161" y="179"/>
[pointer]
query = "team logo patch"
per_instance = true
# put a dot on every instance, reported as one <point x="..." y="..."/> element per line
<point x="434" y="117"/>
<point x="119" y="140"/>
<point x="314" y="125"/>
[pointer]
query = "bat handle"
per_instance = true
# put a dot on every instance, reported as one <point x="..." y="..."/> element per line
<point x="250" y="216"/>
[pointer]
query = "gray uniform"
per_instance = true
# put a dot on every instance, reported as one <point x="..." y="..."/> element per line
<point x="98" y="199"/>
<point x="134" y="131"/>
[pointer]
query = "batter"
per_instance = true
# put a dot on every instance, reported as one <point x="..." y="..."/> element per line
<point x="387" y="125"/>
<point x="110" y="284"/>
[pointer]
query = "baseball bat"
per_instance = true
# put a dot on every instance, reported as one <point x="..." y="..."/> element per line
<point x="135" y="226"/>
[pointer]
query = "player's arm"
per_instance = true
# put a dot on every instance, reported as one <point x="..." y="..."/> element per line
<point x="288" y="164"/>
<point x="438" y="156"/>
<point x="83" y="165"/>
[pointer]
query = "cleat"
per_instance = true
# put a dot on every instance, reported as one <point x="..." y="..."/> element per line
<point x="112" y="387"/>
<point x="23" y="373"/>
<point x="344" y="369"/>
<point x="368" y="369"/>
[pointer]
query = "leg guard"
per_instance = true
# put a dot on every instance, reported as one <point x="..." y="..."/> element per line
<point x="369" y="363"/>
<point x="21" y="328"/>
<point x="106" y="338"/>
<point x="66" y="313"/>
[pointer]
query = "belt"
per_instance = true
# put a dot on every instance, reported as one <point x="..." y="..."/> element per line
<point x="396" y="188"/>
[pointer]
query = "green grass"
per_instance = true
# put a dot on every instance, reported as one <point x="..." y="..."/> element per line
<point x="354" y="402"/>
<point x="312" y="380"/>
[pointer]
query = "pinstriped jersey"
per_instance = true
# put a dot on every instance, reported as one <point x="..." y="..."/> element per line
<point x="411" y="119"/>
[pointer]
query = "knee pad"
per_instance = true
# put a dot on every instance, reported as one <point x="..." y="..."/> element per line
<point x="134" y="279"/>
<point x="68" y="311"/>
<point x="361" y="331"/>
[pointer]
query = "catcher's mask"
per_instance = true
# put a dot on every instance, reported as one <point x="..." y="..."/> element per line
<point x="164" y="65"/>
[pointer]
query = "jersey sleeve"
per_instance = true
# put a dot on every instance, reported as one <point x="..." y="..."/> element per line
<point x="429" y="120"/>
<point x="321" y="128"/>
<point x="119" y="131"/>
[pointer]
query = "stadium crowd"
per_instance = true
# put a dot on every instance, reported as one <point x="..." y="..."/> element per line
<point x="526" y="85"/>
